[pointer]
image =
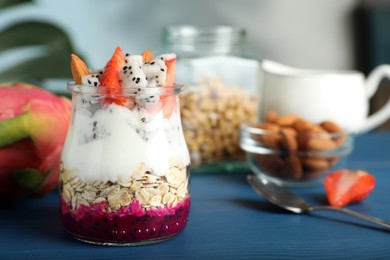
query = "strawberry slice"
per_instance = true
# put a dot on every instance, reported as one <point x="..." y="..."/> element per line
<point x="110" y="79"/>
<point x="169" y="101"/>
<point x="171" y="70"/>
<point x="348" y="186"/>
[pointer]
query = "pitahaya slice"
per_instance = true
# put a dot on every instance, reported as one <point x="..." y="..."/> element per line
<point x="90" y="80"/>
<point x="155" y="72"/>
<point x="132" y="74"/>
<point x="98" y="72"/>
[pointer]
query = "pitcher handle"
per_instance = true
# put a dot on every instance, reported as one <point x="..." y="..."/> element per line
<point x="372" y="84"/>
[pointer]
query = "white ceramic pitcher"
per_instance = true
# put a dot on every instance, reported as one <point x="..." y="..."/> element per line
<point x="317" y="95"/>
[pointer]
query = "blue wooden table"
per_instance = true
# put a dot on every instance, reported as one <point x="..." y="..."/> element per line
<point x="228" y="221"/>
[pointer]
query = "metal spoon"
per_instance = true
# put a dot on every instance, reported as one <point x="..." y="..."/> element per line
<point x="286" y="199"/>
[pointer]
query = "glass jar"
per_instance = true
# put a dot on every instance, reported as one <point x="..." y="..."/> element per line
<point x="124" y="168"/>
<point x="221" y="85"/>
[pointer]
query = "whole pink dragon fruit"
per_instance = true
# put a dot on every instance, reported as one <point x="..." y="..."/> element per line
<point x="33" y="127"/>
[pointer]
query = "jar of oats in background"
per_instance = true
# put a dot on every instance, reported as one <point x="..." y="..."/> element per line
<point x="221" y="85"/>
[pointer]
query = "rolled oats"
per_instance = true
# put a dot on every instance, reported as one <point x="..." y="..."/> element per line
<point x="126" y="183"/>
<point x="67" y="192"/>
<point x="89" y="195"/>
<point x="148" y="189"/>
<point x="174" y="176"/>
<point x="182" y="190"/>
<point x="155" y="201"/>
<point x="99" y="200"/>
<point x="163" y="188"/>
<point x="149" y="178"/>
<point x="81" y="201"/>
<point x="119" y="198"/>
<point x="136" y="186"/>
<point x="142" y="196"/>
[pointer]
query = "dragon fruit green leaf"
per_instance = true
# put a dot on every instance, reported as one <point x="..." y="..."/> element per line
<point x="29" y="179"/>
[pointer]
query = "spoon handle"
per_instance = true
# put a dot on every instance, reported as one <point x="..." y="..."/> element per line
<point x="375" y="220"/>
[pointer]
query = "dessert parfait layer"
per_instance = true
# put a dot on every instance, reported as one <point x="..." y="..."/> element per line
<point x="145" y="207"/>
<point x="125" y="163"/>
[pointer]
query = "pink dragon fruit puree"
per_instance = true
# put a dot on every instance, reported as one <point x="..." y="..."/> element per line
<point x="130" y="224"/>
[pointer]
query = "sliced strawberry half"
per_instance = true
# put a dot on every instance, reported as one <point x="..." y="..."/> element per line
<point x="171" y="71"/>
<point x="347" y="186"/>
<point x="110" y="79"/>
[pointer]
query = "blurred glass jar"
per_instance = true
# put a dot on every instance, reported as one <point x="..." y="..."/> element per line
<point x="221" y="84"/>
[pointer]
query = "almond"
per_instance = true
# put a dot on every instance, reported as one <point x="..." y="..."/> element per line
<point x="320" y="144"/>
<point x="271" y="164"/>
<point x="289" y="139"/>
<point x="313" y="163"/>
<point x="147" y="56"/>
<point x="292" y="168"/>
<point x="301" y="124"/>
<point x="289" y="134"/>
<point x="271" y="140"/>
<point x="315" y="174"/>
<point x="313" y="129"/>
<point x="330" y="126"/>
<point x="79" y="69"/>
<point x="271" y="117"/>
<point x="306" y="136"/>
<point x="287" y="120"/>
<point x="268" y="126"/>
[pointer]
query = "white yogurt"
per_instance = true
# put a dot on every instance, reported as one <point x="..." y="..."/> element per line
<point x="107" y="145"/>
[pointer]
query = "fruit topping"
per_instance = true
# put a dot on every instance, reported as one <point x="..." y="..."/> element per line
<point x="132" y="71"/>
<point x="78" y="68"/>
<point x="347" y="186"/>
<point x="110" y="78"/>
<point x="171" y="69"/>
<point x="155" y="72"/>
<point x="90" y="80"/>
<point x="147" y="56"/>
<point x="169" y="101"/>
<point x="132" y="74"/>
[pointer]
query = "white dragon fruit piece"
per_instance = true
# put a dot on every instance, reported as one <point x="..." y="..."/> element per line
<point x="165" y="57"/>
<point x="155" y="72"/>
<point x="133" y="59"/>
<point x="90" y="80"/>
<point x="98" y="72"/>
<point x="132" y="74"/>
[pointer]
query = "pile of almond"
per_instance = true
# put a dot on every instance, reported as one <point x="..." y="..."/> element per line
<point x="296" y="146"/>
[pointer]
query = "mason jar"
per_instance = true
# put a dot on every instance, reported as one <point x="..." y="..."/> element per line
<point x="221" y="91"/>
<point x="125" y="166"/>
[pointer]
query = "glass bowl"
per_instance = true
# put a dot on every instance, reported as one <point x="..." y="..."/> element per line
<point x="294" y="159"/>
